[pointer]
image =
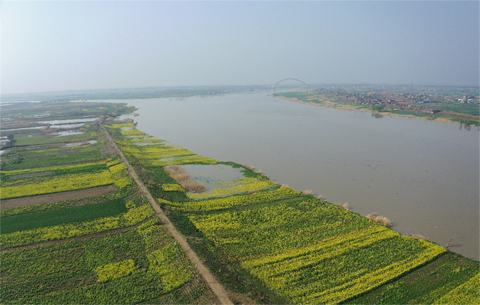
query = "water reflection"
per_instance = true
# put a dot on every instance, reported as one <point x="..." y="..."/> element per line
<point x="466" y="125"/>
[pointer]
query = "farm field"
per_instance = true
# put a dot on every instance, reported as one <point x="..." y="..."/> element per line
<point x="265" y="243"/>
<point x="278" y="245"/>
<point x="99" y="249"/>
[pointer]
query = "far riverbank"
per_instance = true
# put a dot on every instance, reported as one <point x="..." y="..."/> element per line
<point x="448" y="117"/>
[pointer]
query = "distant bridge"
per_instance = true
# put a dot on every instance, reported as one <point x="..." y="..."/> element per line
<point x="274" y="86"/>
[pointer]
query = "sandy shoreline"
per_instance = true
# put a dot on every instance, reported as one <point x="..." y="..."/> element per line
<point x="330" y="104"/>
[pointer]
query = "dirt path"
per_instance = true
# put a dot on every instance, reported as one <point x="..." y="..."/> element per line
<point x="218" y="289"/>
<point x="56" y="197"/>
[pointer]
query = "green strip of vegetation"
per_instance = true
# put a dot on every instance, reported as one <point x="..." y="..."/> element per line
<point x="447" y="110"/>
<point x="62" y="216"/>
<point x="94" y="168"/>
<point x="56" y="205"/>
<point x="24" y="139"/>
<point x="70" y="272"/>
<point x="425" y="285"/>
<point x="24" y="159"/>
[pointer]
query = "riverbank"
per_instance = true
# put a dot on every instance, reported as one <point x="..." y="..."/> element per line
<point x="264" y="242"/>
<point x="451" y="117"/>
<point x="288" y="246"/>
<point x="420" y="174"/>
<point x="75" y="228"/>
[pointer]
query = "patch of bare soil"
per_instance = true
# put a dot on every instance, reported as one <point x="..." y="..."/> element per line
<point x="48" y="198"/>
<point x="31" y="181"/>
<point x="108" y="150"/>
<point x="31" y="175"/>
<point x="54" y="242"/>
<point x="19" y="123"/>
<point x="240" y="299"/>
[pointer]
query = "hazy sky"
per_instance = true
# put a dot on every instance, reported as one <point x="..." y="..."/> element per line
<point x="50" y="46"/>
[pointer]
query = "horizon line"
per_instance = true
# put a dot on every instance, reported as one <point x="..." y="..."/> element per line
<point x="251" y="85"/>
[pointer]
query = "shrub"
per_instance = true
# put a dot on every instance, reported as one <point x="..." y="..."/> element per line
<point x="307" y="192"/>
<point x="379" y="219"/>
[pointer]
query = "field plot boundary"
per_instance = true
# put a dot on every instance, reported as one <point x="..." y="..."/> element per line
<point x="59" y="241"/>
<point x="56" y="197"/>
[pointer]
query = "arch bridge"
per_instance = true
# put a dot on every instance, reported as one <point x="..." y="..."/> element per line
<point x="296" y="79"/>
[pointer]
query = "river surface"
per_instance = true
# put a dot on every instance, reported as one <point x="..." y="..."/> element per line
<point x="422" y="175"/>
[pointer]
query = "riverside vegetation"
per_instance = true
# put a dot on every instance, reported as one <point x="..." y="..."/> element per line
<point x="265" y="243"/>
<point x="278" y="245"/>
<point x="91" y="248"/>
<point x="444" y="105"/>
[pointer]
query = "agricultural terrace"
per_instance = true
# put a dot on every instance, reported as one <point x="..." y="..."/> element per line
<point x="75" y="228"/>
<point x="276" y="245"/>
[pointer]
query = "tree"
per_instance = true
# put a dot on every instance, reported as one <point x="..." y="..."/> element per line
<point x="378" y="107"/>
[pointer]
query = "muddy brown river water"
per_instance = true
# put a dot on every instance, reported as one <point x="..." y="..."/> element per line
<point x="421" y="174"/>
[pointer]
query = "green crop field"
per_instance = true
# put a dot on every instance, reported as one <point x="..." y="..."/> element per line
<point x="428" y="284"/>
<point x="107" y="249"/>
<point x="470" y="109"/>
<point x="62" y="216"/>
<point x="286" y="246"/>
<point x="265" y="243"/>
<point x="135" y="266"/>
<point x="25" y="159"/>
<point x="27" y="139"/>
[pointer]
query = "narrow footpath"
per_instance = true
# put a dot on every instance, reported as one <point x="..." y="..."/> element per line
<point x="218" y="289"/>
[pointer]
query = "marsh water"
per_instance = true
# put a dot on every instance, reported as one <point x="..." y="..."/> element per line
<point x="423" y="175"/>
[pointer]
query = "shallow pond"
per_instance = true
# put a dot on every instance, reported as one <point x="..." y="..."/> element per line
<point x="423" y="175"/>
<point x="69" y="121"/>
<point x="67" y="126"/>
<point x="70" y="145"/>
<point x="67" y="133"/>
<point x="209" y="175"/>
<point x="23" y="128"/>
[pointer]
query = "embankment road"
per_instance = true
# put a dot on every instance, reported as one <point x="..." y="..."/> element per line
<point x="218" y="289"/>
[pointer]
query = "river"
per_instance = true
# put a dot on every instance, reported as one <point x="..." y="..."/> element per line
<point x="422" y="175"/>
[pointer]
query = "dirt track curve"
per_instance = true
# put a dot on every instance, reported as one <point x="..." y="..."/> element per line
<point x="218" y="289"/>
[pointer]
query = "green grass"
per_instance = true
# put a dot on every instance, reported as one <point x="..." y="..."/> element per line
<point x="24" y="139"/>
<point x="24" y="159"/>
<point x="65" y="110"/>
<point x="229" y="273"/>
<point x="470" y="109"/>
<point x="94" y="168"/>
<point x="303" y="96"/>
<point x="154" y="177"/>
<point x="66" y="273"/>
<point x="62" y="216"/>
<point x="194" y="292"/>
<point x="56" y="205"/>
<point x="246" y="171"/>
<point x="426" y="284"/>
